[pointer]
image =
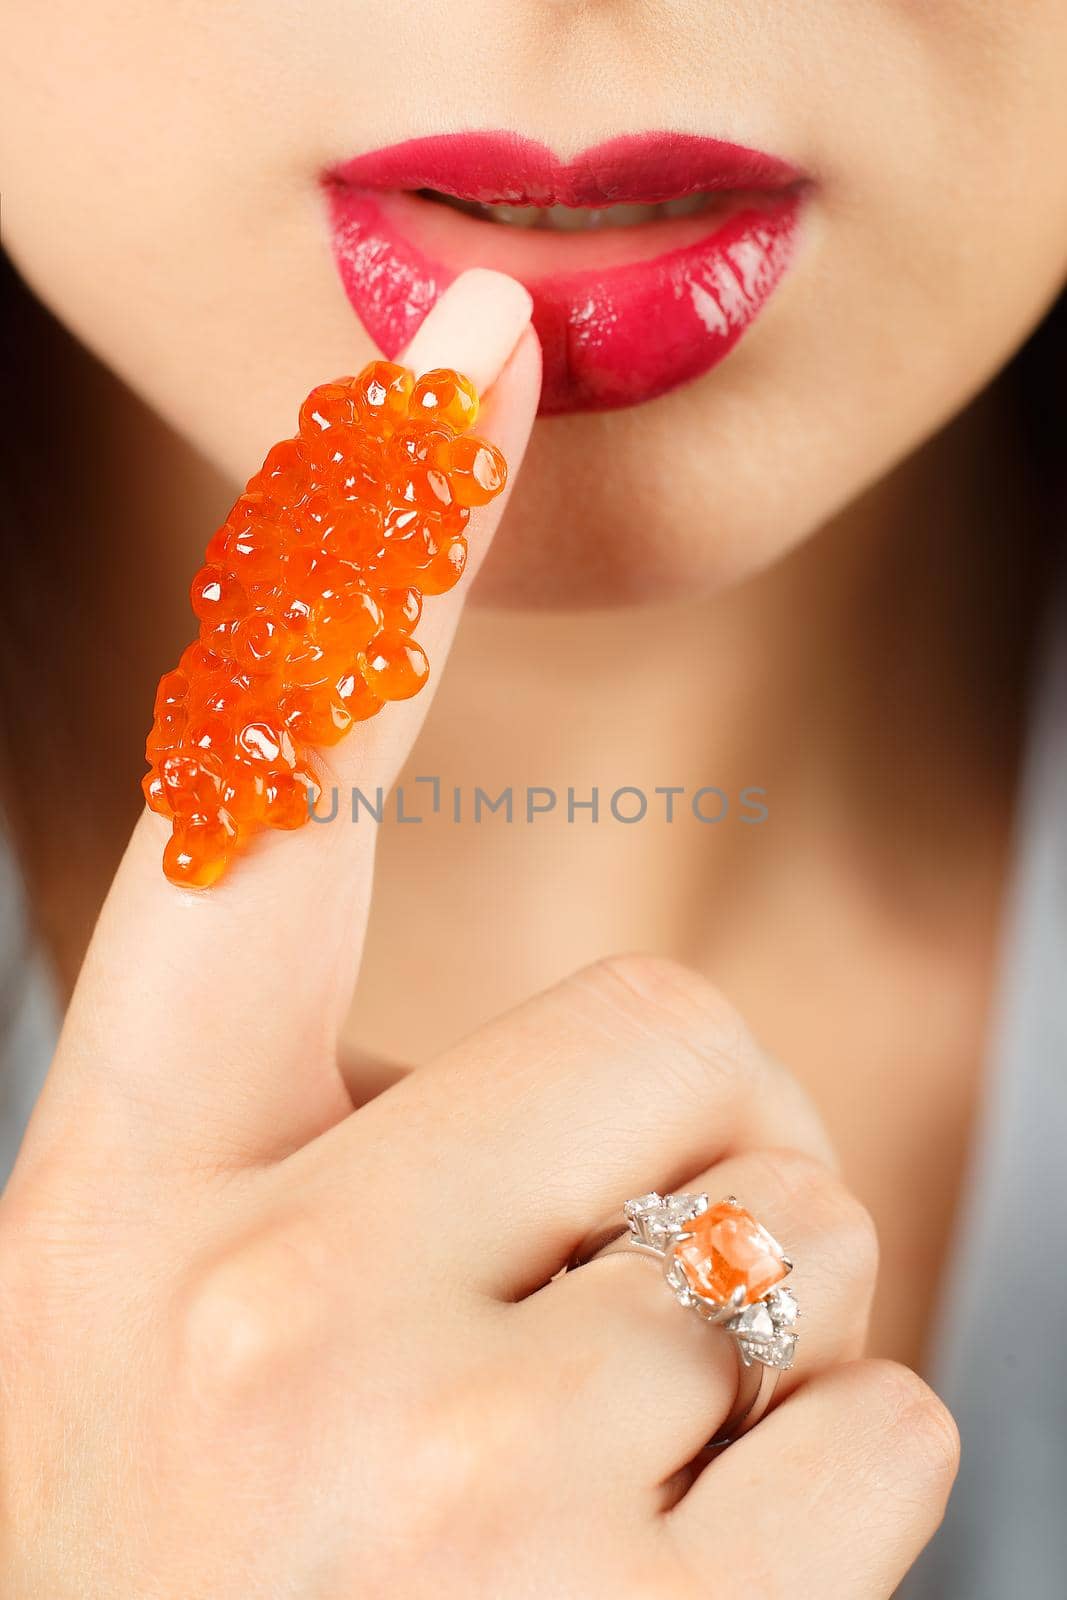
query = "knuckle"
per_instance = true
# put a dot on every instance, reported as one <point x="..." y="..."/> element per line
<point x="657" y="983"/>
<point x="848" y="1226"/>
<point x="673" y="1003"/>
<point x="916" y="1423"/>
<point x="249" y="1315"/>
<point x="861" y="1230"/>
<point x="810" y="1189"/>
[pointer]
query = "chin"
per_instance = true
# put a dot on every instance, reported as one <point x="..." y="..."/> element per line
<point x="625" y="510"/>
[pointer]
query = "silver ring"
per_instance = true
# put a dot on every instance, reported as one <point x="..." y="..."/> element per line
<point x="724" y="1266"/>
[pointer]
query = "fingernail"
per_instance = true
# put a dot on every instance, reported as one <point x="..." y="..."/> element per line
<point x="474" y="326"/>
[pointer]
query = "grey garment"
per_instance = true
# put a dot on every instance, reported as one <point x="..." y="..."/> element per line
<point x="1002" y="1365"/>
<point x="1002" y="1348"/>
<point x="29" y="1015"/>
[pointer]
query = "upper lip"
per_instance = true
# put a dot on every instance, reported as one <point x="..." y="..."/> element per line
<point x="507" y="169"/>
<point x="623" y="313"/>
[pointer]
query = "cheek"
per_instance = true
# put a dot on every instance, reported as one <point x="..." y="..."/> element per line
<point x="160" y="195"/>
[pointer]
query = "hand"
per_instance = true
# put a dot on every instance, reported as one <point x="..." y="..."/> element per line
<point x="257" y="1343"/>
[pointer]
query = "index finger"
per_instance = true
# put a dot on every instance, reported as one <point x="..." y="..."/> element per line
<point x="215" y="1014"/>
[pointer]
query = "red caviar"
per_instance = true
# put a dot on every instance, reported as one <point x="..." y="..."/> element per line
<point x="307" y="603"/>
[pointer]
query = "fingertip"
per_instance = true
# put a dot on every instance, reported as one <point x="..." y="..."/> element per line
<point x="511" y="406"/>
<point x="474" y="326"/>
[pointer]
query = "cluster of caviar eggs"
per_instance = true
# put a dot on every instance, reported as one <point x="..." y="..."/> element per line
<point x="308" y="601"/>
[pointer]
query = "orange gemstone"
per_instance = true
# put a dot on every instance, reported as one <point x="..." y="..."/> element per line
<point x="728" y="1250"/>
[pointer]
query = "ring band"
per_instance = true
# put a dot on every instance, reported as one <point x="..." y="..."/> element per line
<point x="724" y="1266"/>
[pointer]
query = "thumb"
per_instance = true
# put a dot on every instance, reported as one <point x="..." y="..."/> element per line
<point x="241" y="990"/>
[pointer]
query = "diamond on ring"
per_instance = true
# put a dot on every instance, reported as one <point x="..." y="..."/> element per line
<point x="724" y="1265"/>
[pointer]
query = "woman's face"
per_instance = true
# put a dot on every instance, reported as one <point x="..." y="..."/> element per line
<point x="723" y="372"/>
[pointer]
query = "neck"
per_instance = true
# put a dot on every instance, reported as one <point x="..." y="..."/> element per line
<point x="887" y="650"/>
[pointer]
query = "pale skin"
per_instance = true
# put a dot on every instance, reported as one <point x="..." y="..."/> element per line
<point x="876" y="696"/>
<point x="203" y="1307"/>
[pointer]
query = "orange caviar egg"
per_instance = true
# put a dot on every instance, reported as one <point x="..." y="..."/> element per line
<point x="315" y="715"/>
<point x="445" y="567"/>
<point x="422" y="444"/>
<point x="424" y="487"/>
<point x="355" y="531"/>
<point x="395" y="667"/>
<point x="307" y="602"/>
<point x="258" y="642"/>
<point x="383" y="393"/>
<point x="155" y="795"/>
<point x="199" y="850"/>
<point x="344" y="621"/>
<point x="252" y="552"/>
<point x="192" y="782"/>
<point x="283" y="476"/>
<point x="243" y="792"/>
<point x="172" y="691"/>
<point x="217" y="596"/>
<point x="357" y="696"/>
<point x="195" y="661"/>
<point x="443" y="396"/>
<point x="400" y="608"/>
<point x="290" y="797"/>
<point x="331" y="405"/>
<point x="476" y="470"/>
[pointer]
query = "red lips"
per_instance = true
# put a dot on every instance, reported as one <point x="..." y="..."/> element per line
<point x="623" y="314"/>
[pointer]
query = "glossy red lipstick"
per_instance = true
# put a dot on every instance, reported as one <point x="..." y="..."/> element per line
<point x="623" y="313"/>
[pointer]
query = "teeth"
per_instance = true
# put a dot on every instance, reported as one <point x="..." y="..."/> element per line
<point x="576" y="219"/>
<point x="688" y="205"/>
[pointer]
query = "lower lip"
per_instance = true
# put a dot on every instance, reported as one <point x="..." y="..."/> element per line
<point x="613" y="334"/>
